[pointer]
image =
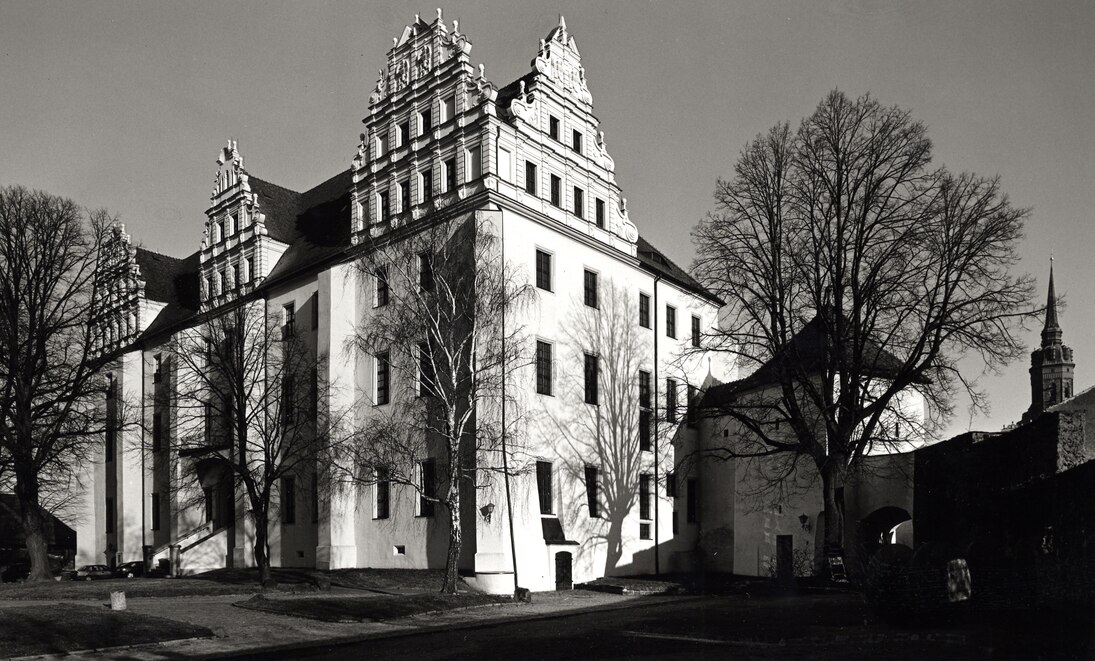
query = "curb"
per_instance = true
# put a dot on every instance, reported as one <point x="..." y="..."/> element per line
<point x="459" y="626"/>
<point x="109" y="650"/>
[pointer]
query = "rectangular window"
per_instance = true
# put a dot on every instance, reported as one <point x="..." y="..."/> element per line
<point x="579" y="202"/>
<point x="592" y="371"/>
<point x="644" y="430"/>
<point x="157" y="431"/>
<point x="380" y="280"/>
<point x="450" y="175"/>
<point x="690" y="411"/>
<point x="671" y="485"/>
<point x="404" y="133"/>
<point x="671" y="321"/>
<point x="543" y="368"/>
<point x="644" y="531"/>
<point x="425" y="271"/>
<point x="404" y="195"/>
<point x="644" y="310"/>
<point x="155" y="511"/>
<point x="425" y="370"/>
<point x="543" y="486"/>
<point x="644" y="389"/>
<point x="695" y="331"/>
<point x="381" y="494"/>
<point x="676" y="526"/>
<point x="590" y="292"/>
<point x="288" y="500"/>
<point x="383" y="378"/>
<point x="692" y="501"/>
<point x="543" y="270"/>
<point x="530" y="178"/>
<point x="385" y="206"/>
<point x="473" y="164"/>
<point x="576" y="141"/>
<point x="109" y="515"/>
<point x="425" y="185"/>
<point x="600" y="213"/>
<point x="448" y="108"/>
<point x="425" y="122"/>
<point x="157" y="373"/>
<point x="556" y="191"/>
<point x="288" y="404"/>
<point x="381" y="144"/>
<point x="553" y="127"/>
<point x="644" y="496"/>
<point x="671" y="400"/>
<point x="427" y="486"/>
<point x="645" y="414"/>
<point x="592" y="497"/>
<point x="210" y="506"/>
<point x="288" y="320"/>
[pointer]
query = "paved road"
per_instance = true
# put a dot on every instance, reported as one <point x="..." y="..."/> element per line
<point x="819" y="627"/>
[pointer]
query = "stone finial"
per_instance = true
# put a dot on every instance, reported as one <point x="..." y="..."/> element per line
<point x="562" y="23"/>
<point x="395" y="41"/>
<point x="456" y="26"/>
<point x="623" y="205"/>
<point x="417" y="18"/>
<point x="438" y="13"/>
<point x="481" y="70"/>
<point x="522" y="84"/>
<point x="601" y="138"/>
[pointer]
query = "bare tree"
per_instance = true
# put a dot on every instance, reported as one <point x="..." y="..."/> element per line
<point x="248" y="387"/>
<point x="855" y="271"/>
<point x="609" y="437"/>
<point x="444" y="326"/>
<point x="50" y="384"/>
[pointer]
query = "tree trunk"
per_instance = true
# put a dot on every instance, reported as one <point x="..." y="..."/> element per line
<point x="452" y="561"/>
<point x="614" y="548"/>
<point x="262" y="555"/>
<point x="832" y="478"/>
<point x="26" y="490"/>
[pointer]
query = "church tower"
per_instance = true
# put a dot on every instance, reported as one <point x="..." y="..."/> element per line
<point x="1051" y="365"/>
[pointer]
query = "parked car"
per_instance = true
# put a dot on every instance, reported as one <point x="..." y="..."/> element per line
<point x="130" y="569"/>
<point x="91" y="572"/>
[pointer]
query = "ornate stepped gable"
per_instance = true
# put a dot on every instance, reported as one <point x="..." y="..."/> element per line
<point x="120" y="289"/>
<point x="232" y="252"/>
<point x="439" y="131"/>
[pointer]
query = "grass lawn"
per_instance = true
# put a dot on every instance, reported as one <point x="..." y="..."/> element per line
<point x="351" y="609"/>
<point x="292" y="579"/>
<point x="60" y="628"/>
<point x="133" y="587"/>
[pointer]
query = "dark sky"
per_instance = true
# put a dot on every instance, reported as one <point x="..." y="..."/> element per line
<point x="125" y="104"/>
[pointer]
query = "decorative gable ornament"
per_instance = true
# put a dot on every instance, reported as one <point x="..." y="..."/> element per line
<point x="416" y="54"/>
<point x="560" y="61"/>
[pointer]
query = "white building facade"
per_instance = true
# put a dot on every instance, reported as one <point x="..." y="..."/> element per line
<point x="590" y="494"/>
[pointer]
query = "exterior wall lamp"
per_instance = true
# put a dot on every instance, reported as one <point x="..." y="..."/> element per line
<point x="805" y="521"/>
<point x="486" y="511"/>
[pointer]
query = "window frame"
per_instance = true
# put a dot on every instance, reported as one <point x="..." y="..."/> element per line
<point x="591" y="294"/>
<point x="382" y="493"/>
<point x="545" y="488"/>
<point x="579" y="202"/>
<point x="545" y="270"/>
<point x="593" y="491"/>
<point x="576" y="141"/>
<point x="532" y="184"/>
<point x="671" y="399"/>
<point x="554" y="127"/>
<point x="555" y="183"/>
<point x="695" y="331"/>
<point x="670" y="321"/>
<point x="591" y="376"/>
<point x="600" y="213"/>
<point x="381" y="287"/>
<point x="545" y="368"/>
<point x="383" y="378"/>
<point x="644" y="310"/>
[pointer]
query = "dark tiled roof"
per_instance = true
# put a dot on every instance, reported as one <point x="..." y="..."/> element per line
<point x="510" y="92"/>
<point x="178" y="287"/>
<point x="280" y="206"/>
<point x="320" y="230"/>
<point x="653" y="260"/>
<point x="808" y="351"/>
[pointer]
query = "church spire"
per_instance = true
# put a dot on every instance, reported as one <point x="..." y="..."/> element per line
<point x="1051" y="332"/>
<point x="1051" y="366"/>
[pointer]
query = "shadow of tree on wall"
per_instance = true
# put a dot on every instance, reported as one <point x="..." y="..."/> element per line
<point x="603" y="436"/>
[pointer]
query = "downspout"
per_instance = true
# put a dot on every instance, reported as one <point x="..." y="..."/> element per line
<point x="654" y="409"/>
<point x="505" y="459"/>
<point x="144" y="496"/>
